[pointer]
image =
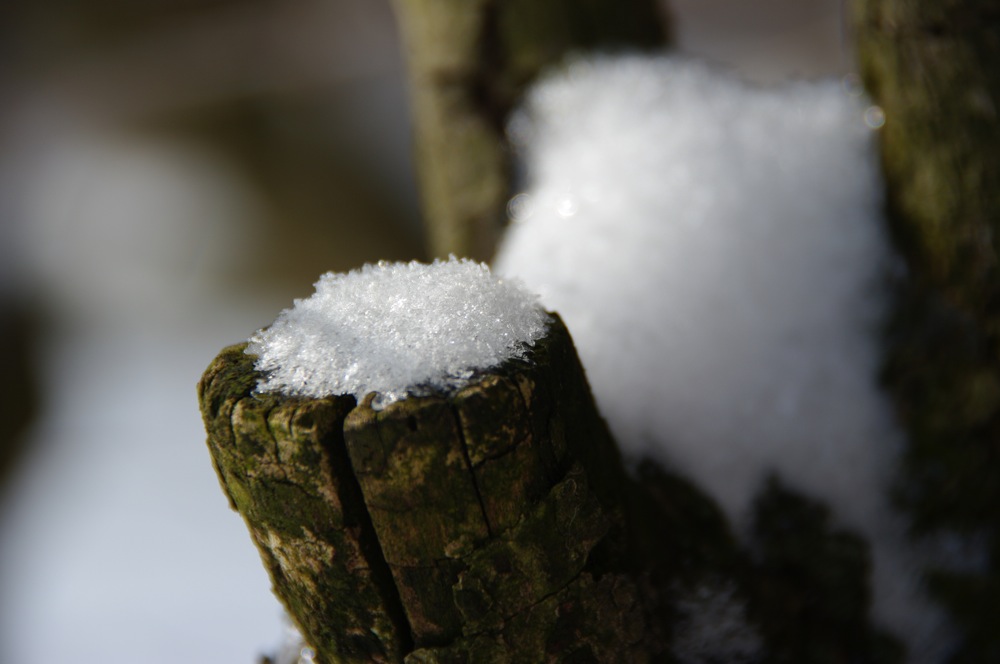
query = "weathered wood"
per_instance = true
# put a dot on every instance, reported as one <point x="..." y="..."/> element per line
<point x="496" y="525"/>
<point x="934" y="67"/>
<point x="469" y="62"/>
<point x="485" y="525"/>
<point x="283" y="465"/>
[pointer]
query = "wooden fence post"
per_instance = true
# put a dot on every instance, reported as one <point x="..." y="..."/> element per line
<point x="483" y="526"/>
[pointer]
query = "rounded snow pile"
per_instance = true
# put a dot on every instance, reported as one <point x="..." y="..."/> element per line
<point x="717" y="251"/>
<point x="397" y="329"/>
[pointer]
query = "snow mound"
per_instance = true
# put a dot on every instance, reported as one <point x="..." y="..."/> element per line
<point x="718" y="252"/>
<point x="397" y="329"/>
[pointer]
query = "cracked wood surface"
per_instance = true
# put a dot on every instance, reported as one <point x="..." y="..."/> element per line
<point x="485" y="525"/>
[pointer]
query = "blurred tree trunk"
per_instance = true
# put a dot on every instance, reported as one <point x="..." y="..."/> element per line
<point x="934" y="68"/>
<point x="470" y="61"/>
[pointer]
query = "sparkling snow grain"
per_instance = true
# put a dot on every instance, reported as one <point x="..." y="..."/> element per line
<point x="397" y="329"/>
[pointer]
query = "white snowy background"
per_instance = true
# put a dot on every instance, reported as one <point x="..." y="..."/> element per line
<point x="147" y="245"/>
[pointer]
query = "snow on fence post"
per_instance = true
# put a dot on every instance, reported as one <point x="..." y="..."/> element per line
<point x="485" y="524"/>
<point x="469" y="62"/>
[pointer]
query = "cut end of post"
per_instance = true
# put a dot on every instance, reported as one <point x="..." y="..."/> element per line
<point x="397" y="329"/>
<point x="470" y="523"/>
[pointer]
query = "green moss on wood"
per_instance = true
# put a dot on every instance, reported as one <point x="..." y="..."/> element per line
<point x="412" y="467"/>
<point x="547" y="550"/>
<point x="497" y="524"/>
<point x="437" y="525"/>
<point x="276" y="459"/>
<point x="932" y="68"/>
<point x="411" y="464"/>
<point x="589" y="620"/>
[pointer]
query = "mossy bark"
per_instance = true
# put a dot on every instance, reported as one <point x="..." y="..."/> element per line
<point x="470" y="61"/>
<point x="496" y="524"/>
<point x="934" y="67"/>
<point x="486" y="525"/>
<point x="283" y="466"/>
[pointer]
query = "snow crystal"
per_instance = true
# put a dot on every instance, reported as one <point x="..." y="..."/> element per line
<point x="397" y="329"/>
<point x="717" y="252"/>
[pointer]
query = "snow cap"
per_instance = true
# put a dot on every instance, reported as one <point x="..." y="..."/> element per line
<point x="398" y="329"/>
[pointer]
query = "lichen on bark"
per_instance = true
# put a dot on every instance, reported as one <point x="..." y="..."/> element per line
<point x="281" y="463"/>
<point x="482" y="523"/>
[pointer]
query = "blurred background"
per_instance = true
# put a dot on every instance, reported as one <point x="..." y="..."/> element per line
<point x="172" y="174"/>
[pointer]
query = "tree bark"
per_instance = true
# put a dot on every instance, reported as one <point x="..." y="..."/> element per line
<point x="483" y="526"/>
<point x="934" y="67"/>
<point x="497" y="525"/>
<point x="470" y="61"/>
